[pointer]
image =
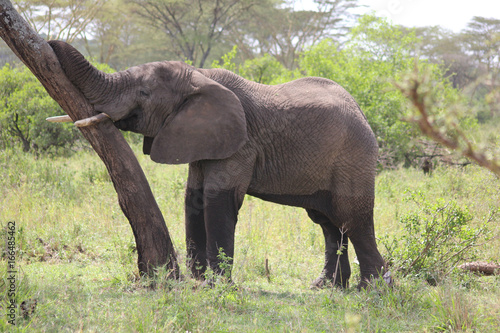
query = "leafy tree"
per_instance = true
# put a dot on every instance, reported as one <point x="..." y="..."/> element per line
<point x="482" y="38"/>
<point x="194" y="27"/>
<point x="284" y="31"/>
<point x="118" y="38"/>
<point x="470" y="59"/>
<point x="446" y="48"/>
<point x="265" y="70"/>
<point x="24" y="106"/>
<point x="446" y="123"/>
<point x="60" y="19"/>
<point x="110" y="32"/>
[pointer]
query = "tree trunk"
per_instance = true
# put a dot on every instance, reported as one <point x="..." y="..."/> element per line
<point x="136" y="200"/>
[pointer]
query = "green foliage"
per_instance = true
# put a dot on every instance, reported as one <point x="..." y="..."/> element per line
<point x="227" y="60"/>
<point x="24" y="105"/>
<point x="434" y="239"/>
<point x="266" y="70"/>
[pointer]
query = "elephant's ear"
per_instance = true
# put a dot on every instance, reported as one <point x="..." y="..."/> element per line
<point x="210" y="124"/>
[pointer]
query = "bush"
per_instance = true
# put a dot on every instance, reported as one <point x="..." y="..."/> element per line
<point x="24" y="106"/>
<point x="435" y="238"/>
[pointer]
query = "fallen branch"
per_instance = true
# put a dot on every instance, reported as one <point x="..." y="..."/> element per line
<point x="481" y="267"/>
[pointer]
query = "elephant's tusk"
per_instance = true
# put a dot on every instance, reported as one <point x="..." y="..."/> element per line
<point x="59" y="119"/>
<point x="79" y="123"/>
<point x="91" y="120"/>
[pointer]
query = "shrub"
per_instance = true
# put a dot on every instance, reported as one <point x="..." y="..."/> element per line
<point x="24" y="106"/>
<point x="435" y="237"/>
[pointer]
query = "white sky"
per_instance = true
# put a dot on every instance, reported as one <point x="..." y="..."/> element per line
<point x="450" y="14"/>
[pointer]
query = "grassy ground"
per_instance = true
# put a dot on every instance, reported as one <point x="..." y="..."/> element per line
<point x="76" y="258"/>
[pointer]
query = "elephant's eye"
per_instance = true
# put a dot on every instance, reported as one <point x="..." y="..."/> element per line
<point x="144" y="93"/>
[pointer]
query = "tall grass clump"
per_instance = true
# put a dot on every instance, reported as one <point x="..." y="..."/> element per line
<point x="453" y="311"/>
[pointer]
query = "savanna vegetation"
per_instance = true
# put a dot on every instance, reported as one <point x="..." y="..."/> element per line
<point x="75" y="251"/>
<point x="76" y="256"/>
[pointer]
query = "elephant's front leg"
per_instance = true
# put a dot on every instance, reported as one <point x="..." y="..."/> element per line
<point x="221" y="214"/>
<point x="195" y="232"/>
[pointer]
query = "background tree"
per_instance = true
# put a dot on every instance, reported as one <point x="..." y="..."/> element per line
<point x="285" y="31"/>
<point x="24" y="106"/>
<point x="60" y="19"/>
<point x="118" y="38"/>
<point x="446" y="48"/>
<point x="428" y="114"/>
<point x="482" y="38"/>
<point x="194" y="27"/>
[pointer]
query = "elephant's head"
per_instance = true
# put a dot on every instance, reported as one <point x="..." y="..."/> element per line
<point x="183" y="115"/>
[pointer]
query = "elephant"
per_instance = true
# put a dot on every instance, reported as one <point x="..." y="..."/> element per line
<point x="305" y="143"/>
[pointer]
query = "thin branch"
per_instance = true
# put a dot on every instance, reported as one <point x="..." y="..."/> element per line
<point x="432" y="131"/>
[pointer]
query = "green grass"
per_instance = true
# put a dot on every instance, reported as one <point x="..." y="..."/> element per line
<point x="77" y="259"/>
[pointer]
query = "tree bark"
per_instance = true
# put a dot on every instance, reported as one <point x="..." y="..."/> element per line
<point x="136" y="200"/>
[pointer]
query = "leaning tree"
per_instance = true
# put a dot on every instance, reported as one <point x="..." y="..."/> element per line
<point x="154" y="246"/>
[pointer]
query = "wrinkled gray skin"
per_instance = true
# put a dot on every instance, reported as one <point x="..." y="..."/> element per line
<point x="305" y="143"/>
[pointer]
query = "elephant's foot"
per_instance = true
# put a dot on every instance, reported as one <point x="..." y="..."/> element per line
<point x="371" y="282"/>
<point x="328" y="282"/>
<point x="321" y="282"/>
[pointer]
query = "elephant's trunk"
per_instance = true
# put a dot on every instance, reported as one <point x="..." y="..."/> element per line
<point x="95" y="85"/>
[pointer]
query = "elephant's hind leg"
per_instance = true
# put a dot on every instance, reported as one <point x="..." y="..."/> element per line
<point x="337" y="269"/>
<point x="356" y="214"/>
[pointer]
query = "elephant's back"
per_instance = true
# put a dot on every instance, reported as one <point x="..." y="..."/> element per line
<point x="319" y="110"/>
<point x="313" y="133"/>
<point x="316" y="94"/>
